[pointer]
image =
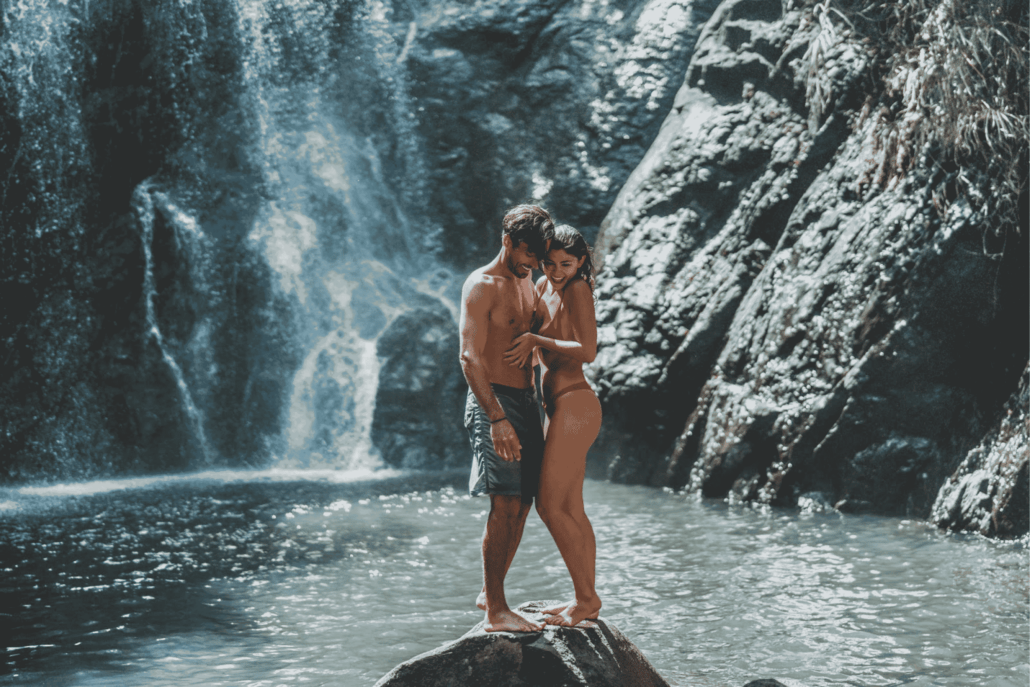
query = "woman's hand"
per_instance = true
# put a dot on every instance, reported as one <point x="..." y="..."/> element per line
<point x="521" y="351"/>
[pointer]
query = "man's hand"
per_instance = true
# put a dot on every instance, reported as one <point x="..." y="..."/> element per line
<point x="506" y="442"/>
<point x="522" y="349"/>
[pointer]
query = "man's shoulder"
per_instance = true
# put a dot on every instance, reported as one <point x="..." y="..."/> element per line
<point x="480" y="277"/>
<point x="481" y="285"/>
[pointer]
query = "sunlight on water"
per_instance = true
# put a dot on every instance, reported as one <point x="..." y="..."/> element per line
<point x="285" y="577"/>
<point x="225" y="476"/>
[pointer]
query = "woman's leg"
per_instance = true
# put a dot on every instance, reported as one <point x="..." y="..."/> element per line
<point x="573" y="428"/>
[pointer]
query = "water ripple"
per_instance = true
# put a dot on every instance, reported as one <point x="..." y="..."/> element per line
<point x="278" y="582"/>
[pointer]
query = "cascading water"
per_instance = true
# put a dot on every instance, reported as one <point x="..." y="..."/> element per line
<point x="143" y="202"/>
<point x="206" y="211"/>
<point x="335" y="231"/>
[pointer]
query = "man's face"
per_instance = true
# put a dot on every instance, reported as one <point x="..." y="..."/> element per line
<point x="521" y="260"/>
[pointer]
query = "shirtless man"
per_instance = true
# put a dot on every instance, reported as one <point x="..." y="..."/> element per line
<point x="501" y="412"/>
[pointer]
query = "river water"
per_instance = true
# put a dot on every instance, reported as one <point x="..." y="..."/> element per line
<point x="332" y="578"/>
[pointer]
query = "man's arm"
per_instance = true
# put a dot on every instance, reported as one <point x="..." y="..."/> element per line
<point x="476" y="300"/>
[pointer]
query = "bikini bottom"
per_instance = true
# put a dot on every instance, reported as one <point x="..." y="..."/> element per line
<point x="549" y="403"/>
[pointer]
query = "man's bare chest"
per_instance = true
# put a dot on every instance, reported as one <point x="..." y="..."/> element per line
<point x="513" y="316"/>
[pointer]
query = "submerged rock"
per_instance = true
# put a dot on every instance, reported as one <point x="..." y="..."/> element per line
<point x="598" y="656"/>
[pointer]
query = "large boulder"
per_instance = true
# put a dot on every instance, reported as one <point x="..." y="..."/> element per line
<point x="698" y="221"/>
<point x="420" y="399"/>
<point x="990" y="491"/>
<point x="597" y="656"/>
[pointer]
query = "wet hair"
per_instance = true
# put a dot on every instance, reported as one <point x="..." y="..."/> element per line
<point x="529" y="224"/>
<point x="569" y="239"/>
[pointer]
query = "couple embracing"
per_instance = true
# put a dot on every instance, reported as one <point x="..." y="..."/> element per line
<point x="508" y="326"/>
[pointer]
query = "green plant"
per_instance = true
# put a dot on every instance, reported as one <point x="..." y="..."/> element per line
<point x="950" y="82"/>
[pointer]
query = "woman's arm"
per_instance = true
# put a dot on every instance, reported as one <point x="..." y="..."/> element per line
<point x="583" y="346"/>
<point x="580" y="309"/>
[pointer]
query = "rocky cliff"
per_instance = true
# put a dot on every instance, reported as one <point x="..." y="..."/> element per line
<point x="802" y="298"/>
<point x="988" y="492"/>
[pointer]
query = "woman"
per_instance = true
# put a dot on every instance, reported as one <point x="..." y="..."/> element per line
<point x="567" y="339"/>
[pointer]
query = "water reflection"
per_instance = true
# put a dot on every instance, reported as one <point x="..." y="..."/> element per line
<point x="276" y="580"/>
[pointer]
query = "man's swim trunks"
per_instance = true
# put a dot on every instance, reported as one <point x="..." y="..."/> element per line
<point x="491" y="474"/>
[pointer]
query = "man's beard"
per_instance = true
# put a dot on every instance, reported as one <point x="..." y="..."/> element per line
<point x="513" y="268"/>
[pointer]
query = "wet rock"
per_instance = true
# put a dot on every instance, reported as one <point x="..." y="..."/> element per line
<point x="770" y="323"/>
<point x="990" y="491"/>
<point x="553" y="102"/>
<point x="814" y="502"/>
<point x="598" y="656"/>
<point x="421" y="394"/>
<point x="695" y="225"/>
<point x="96" y="392"/>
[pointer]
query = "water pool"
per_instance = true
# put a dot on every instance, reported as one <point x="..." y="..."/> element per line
<point x="309" y="578"/>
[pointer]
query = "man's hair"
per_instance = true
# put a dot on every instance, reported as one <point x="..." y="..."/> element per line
<point x="572" y="242"/>
<point x="529" y="224"/>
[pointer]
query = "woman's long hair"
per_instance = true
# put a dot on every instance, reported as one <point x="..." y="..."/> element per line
<point x="572" y="242"/>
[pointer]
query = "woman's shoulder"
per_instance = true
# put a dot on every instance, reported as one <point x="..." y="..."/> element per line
<point x="579" y="288"/>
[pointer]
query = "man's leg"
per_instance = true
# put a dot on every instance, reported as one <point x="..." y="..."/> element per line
<point x="512" y="548"/>
<point x="504" y="528"/>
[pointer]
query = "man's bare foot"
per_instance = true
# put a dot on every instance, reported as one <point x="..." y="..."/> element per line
<point x="574" y="614"/>
<point x="481" y="600"/>
<point x="510" y="621"/>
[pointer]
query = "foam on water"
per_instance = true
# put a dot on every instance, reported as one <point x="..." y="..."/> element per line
<point x="91" y="488"/>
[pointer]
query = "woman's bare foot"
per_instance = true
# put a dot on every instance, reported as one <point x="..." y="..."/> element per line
<point x="510" y="621"/>
<point x="554" y="610"/>
<point x="575" y="613"/>
<point x="481" y="600"/>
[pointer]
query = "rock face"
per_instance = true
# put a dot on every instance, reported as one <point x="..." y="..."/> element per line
<point x="553" y="101"/>
<point x="598" y="656"/>
<point x="420" y="399"/>
<point x="990" y="491"/>
<point x="773" y="324"/>
<point x="128" y="190"/>
<point x="216" y="217"/>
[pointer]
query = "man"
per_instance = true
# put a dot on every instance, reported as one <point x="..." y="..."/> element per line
<point x="501" y="413"/>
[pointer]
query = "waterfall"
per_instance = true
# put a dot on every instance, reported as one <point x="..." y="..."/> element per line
<point x="236" y="185"/>
<point x="335" y="229"/>
<point x="143" y="203"/>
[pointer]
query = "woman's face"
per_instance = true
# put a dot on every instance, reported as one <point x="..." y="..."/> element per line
<point x="560" y="266"/>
